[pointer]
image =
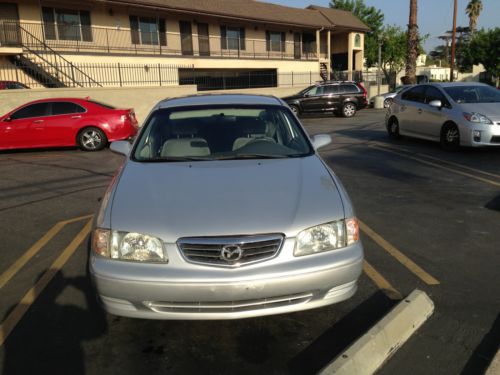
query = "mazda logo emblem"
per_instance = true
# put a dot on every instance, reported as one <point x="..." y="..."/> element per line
<point x="231" y="253"/>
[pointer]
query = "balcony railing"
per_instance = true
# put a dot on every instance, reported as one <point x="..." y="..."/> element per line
<point x="81" y="39"/>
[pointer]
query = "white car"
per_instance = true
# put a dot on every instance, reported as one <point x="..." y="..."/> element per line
<point x="455" y="114"/>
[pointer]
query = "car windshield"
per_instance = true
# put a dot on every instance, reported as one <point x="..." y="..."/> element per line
<point x="221" y="133"/>
<point x="302" y="92"/>
<point x="473" y="94"/>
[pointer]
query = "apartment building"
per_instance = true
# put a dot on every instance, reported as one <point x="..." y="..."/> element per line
<point x="60" y="43"/>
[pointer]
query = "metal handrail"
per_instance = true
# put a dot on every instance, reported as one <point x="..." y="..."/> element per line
<point x="57" y="57"/>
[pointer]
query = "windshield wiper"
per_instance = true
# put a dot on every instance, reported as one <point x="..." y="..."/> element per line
<point x="254" y="156"/>
<point x="165" y="159"/>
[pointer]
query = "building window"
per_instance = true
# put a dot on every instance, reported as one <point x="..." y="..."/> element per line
<point x="275" y="41"/>
<point x="148" y="30"/>
<point x="308" y="43"/>
<point x="232" y="38"/>
<point x="357" y="41"/>
<point x="66" y="24"/>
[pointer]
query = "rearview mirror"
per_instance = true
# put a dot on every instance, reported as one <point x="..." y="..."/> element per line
<point x="436" y="103"/>
<point x="321" y="140"/>
<point x="120" y="147"/>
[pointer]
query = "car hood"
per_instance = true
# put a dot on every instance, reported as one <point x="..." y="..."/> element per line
<point x="219" y="198"/>
<point x="491" y="110"/>
<point x="291" y="97"/>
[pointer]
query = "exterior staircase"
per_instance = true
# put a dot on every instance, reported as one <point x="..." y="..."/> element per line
<point x="47" y="66"/>
<point x="323" y="71"/>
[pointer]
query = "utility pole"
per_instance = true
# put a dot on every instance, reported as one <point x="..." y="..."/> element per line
<point x="453" y="41"/>
<point x="379" y="65"/>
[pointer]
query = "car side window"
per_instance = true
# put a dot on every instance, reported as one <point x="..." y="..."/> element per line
<point x="348" y="89"/>
<point x="415" y="94"/>
<point x="433" y="93"/>
<point x="63" y="108"/>
<point x="331" y="89"/>
<point x="33" y="110"/>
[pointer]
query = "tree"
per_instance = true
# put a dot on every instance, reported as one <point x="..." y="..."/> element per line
<point x="473" y="10"/>
<point x="394" y="42"/>
<point x="372" y="17"/>
<point x="484" y="48"/>
<point x="413" y="45"/>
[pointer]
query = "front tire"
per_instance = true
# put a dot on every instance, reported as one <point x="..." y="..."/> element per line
<point x="92" y="139"/>
<point x="295" y="110"/>
<point x="349" y="110"/>
<point x="450" y="137"/>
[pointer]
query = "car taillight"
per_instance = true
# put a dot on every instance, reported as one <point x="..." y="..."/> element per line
<point x="364" y="90"/>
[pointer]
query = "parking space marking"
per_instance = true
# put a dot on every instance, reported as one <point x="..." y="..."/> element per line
<point x="403" y="259"/>
<point x="381" y="281"/>
<point x="475" y="170"/>
<point x="29" y="298"/>
<point x="482" y="179"/>
<point x="37" y="246"/>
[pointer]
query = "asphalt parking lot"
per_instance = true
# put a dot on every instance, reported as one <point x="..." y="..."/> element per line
<point x="430" y="220"/>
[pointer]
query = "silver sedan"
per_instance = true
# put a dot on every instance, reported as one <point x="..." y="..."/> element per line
<point x="223" y="209"/>
<point x="455" y="114"/>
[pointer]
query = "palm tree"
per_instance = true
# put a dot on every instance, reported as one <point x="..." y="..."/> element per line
<point x="413" y="45"/>
<point x="473" y="10"/>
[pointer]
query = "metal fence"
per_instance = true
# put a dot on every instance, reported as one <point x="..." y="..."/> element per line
<point x="42" y="75"/>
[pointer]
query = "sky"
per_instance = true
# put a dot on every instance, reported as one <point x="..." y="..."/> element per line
<point x="434" y="16"/>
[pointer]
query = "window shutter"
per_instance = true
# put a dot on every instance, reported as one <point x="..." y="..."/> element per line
<point x="86" y="26"/>
<point x="268" y="41"/>
<point x="223" y="37"/>
<point x="162" y="27"/>
<point x="134" y="30"/>
<point x="283" y="42"/>
<point x="49" y="24"/>
<point x="242" y="38"/>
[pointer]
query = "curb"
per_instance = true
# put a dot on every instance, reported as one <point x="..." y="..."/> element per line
<point x="375" y="347"/>
<point x="494" y="367"/>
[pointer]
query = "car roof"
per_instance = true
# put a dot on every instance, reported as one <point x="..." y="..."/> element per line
<point x="219" y="99"/>
<point x="455" y="84"/>
<point x="58" y="100"/>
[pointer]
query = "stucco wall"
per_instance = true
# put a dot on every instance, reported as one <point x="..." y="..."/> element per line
<point x="140" y="98"/>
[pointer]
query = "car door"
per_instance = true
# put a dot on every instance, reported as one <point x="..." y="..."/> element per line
<point x="313" y="99"/>
<point x="25" y="127"/>
<point x="410" y="110"/>
<point x="331" y="97"/>
<point x="348" y="93"/>
<point x="433" y="118"/>
<point x="62" y="124"/>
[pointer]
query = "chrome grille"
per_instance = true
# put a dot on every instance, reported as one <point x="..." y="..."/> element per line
<point x="230" y="251"/>
<point x="229" y="306"/>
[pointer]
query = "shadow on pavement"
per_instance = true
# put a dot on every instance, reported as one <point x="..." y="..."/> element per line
<point x="485" y="351"/>
<point x="48" y="339"/>
<point x="494" y="204"/>
<point x="334" y="341"/>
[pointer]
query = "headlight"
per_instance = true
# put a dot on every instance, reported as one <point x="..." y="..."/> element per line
<point x="477" y="118"/>
<point x="326" y="237"/>
<point x="128" y="246"/>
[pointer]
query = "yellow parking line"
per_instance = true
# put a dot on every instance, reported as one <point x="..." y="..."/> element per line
<point x="383" y="148"/>
<point x="475" y="170"/>
<point x="33" y="250"/>
<point x="380" y="281"/>
<point x="403" y="259"/>
<point x="15" y="316"/>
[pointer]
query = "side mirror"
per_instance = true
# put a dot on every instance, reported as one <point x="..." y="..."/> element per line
<point x="320" y="140"/>
<point x="120" y="147"/>
<point x="7" y="119"/>
<point x="436" y="104"/>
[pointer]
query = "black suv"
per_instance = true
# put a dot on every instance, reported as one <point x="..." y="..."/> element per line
<point x="344" y="98"/>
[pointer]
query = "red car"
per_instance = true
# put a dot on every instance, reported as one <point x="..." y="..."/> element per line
<point x="66" y="122"/>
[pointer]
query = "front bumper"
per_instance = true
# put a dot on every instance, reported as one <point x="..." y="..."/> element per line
<point x="212" y="293"/>
<point x="479" y="135"/>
